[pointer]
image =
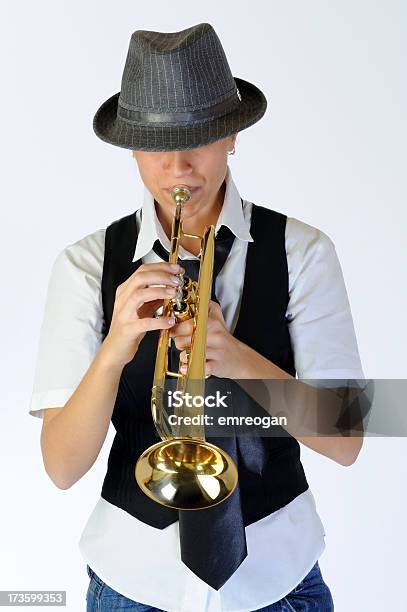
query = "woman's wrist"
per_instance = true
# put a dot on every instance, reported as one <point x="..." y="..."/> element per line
<point x="107" y="361"/>
<point x="245" y="360"/>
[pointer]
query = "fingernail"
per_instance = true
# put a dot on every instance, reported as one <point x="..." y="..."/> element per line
<point x="171" y="320"/>
<point x="183" y="369"/>
<point x="174" y="267"/>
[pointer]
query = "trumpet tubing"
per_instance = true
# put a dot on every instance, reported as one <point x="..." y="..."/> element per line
<point x="184" y="471"/>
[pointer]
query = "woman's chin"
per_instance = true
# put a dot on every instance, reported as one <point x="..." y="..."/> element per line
<point x="191" y="207"/>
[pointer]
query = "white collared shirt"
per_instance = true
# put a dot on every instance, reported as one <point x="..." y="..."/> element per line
<point x="128" y="554"/>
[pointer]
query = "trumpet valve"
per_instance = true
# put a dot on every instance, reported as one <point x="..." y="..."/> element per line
<point x="183" y="301"/>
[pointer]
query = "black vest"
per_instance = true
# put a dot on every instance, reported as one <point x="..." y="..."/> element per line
<point x="270" y="471"/>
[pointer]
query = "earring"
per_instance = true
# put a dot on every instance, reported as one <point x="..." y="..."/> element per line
<point x="232" y="152"/>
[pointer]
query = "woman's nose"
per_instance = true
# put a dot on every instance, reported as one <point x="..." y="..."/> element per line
<point x="179" y="163"/>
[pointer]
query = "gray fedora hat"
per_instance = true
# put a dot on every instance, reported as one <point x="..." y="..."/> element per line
<point x="177" y="92"/>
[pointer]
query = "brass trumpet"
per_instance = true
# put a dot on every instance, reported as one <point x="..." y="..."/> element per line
<point x="184" y="471"/>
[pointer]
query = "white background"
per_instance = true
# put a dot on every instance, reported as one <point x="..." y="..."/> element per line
<point x="329" y="151"/>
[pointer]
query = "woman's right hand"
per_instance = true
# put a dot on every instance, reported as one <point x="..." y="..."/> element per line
<point x="135" y="304"/>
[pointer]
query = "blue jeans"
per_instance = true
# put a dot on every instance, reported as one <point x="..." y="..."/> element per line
<point x="310" y="595"/>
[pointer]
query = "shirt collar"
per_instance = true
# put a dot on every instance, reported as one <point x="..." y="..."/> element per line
<point x="230" y="215"/>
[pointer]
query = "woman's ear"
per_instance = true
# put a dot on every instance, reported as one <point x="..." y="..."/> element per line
<point x="230" y="140"/>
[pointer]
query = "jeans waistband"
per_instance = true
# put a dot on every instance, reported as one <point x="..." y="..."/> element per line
<point x="94" y="576"/>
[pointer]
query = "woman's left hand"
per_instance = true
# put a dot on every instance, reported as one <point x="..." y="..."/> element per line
<point x="223" y="351"/>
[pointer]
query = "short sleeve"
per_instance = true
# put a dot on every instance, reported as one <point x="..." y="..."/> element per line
<point x="319" y="315"/>
<point x="71" y="330"/>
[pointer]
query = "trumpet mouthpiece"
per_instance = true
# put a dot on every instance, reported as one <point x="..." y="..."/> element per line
<point x="180" y="194"/>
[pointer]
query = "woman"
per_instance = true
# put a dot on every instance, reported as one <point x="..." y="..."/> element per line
<point x="179" y="112"/>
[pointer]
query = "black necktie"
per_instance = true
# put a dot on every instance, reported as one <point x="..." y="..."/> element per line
<point x="212" y="541"/>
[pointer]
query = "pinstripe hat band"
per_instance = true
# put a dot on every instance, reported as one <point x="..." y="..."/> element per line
<point x="177" y="92"/>
<point x="147" y="117"/>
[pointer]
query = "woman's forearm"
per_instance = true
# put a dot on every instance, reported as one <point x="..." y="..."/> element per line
<point x="301" y="403"/>
<point x="72" y="439"/>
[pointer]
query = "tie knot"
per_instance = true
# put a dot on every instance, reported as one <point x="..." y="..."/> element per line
<point x="224" y="233"/>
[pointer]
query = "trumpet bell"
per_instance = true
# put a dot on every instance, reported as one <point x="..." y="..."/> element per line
<point x="186" y="474"/>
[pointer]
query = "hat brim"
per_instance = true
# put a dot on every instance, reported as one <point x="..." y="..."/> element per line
<point x="111" y="129"/>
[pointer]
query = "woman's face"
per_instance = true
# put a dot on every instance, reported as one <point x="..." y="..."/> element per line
<point x="202" y="167"/>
